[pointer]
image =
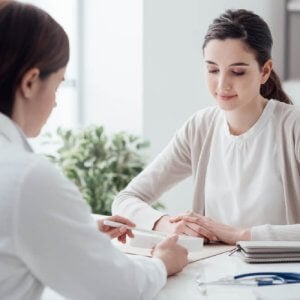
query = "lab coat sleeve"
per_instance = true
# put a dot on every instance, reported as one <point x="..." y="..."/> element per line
<point x="58" y="240"/>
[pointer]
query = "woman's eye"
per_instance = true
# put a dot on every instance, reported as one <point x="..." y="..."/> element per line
<point x="213" y="71"/>
<point x="240" y="73"/>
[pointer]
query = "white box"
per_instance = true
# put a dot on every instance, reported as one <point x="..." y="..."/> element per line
<point x="149" y="240"/>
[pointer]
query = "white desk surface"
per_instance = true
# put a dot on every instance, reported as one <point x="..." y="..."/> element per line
<point x="183" y="286"/>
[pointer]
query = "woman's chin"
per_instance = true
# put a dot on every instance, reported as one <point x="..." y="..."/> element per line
<point x="33" y="133"/>
<point x="226" y="105"/>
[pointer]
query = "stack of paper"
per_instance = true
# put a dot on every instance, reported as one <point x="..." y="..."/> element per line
<point x="269" y="251"/>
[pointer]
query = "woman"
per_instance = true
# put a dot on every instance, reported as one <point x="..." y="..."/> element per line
<point x="243" y="154"/>
<point x="47" y="235"/>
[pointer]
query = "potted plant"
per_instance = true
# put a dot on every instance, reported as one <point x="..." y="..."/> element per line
<point x="100" y="165"/>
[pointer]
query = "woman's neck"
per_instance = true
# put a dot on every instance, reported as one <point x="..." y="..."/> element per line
<point x="243" y="118"/>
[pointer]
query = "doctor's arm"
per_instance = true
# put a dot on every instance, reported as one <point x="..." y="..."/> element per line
<point x="59" y="241"/>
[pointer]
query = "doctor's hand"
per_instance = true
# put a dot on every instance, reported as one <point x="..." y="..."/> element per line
<point x="221" y="232"/>
<point x="180" y="225"/>
<point x="120" y="232"/>
<point x="171" y="254"/>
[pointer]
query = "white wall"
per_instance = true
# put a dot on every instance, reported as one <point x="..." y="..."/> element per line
<point x="174" y="85"/>
<point x="112" y="64"/>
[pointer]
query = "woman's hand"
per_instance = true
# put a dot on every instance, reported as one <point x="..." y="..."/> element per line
<point x="119" y="232"/>
<point x="220" y="232"/>
<point x="180" y="225"/>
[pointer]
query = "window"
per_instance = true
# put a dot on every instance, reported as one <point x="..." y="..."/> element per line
<point x="292" y="65"/>
<point x="292" y="50"/>
<point x="104" y="78"/>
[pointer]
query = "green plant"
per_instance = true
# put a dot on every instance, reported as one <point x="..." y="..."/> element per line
<point x="100" y="165"/>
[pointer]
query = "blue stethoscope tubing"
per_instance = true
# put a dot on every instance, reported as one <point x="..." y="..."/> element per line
<point x="272" y="278"/>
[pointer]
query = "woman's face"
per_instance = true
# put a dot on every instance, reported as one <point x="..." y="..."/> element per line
<point x="233" y="75"/>
<point x="42" y="100"/>
<point x="46" y="98"/>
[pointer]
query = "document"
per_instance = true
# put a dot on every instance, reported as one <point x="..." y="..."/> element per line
<point x="207" y="251"/>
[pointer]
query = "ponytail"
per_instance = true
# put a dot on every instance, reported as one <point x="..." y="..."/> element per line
<point x="272" y="89"/>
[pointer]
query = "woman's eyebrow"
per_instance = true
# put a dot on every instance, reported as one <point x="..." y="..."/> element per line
<point x="210" y="62"/>
<point x="239" y="64"/>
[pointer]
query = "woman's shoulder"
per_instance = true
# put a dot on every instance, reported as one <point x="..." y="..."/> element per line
<point x="26" y="172"/>
<point x="204" y="118"/>
<point x="287" y="114"/>
<point x="41" y="177"/>
<point x="287" y="122"/>
<point x="200" y="124"/>
<point x="42" y="169"/>
<point x="29" y="165"/>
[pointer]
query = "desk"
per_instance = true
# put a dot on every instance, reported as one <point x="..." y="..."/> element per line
<point x="183" y="286"/>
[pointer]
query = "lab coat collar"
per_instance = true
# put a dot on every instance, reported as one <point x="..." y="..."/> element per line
<point x="13" y="133"/>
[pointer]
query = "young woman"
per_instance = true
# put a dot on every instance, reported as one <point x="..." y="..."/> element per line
<point x="47" y="235"/>
<point x="243" y="153"/>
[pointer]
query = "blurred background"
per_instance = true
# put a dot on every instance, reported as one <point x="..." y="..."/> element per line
<point x="137" y="66"/>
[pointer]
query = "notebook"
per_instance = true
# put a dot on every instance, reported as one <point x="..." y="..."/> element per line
<point x="268" y="251"/>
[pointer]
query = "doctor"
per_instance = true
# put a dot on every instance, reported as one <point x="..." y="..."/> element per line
<point x="47" y="236"/>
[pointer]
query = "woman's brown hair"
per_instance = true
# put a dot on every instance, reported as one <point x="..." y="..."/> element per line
<point x="255" y="33"/>
<point x="29" y="38"/>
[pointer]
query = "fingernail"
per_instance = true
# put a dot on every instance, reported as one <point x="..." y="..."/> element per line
<point x="123" y="229"/>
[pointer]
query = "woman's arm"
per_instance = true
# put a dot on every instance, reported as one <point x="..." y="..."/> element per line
<point x="171" y="166"/>
<point x="276" y="232"/>
<point x="230" y="235"/>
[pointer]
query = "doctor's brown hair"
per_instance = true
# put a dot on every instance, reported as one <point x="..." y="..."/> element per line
<point x="29" y="38"/>
<point x="254" y="32"/>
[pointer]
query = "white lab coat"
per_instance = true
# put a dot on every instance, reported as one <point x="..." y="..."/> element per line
<point x="48" y="237"/>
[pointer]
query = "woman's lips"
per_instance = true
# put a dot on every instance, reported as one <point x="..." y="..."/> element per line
<point x="226" y="97"/>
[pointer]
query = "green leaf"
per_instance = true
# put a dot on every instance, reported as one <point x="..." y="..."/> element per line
<point x="100" y="165"/>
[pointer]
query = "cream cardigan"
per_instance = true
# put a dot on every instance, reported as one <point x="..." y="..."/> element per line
<point x="187" y="155"/>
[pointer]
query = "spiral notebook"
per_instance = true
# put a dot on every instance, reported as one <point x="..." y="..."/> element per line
<point x="268" y="251"/>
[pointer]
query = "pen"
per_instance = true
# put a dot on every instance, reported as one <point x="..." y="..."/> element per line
<point x="117" y="224"/>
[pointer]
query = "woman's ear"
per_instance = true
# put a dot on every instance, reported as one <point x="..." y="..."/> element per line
<point x="266" y="71"/>
<point x="29" y="83"/>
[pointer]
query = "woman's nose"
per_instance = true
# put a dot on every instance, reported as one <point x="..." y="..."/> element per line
<point x="224" y="84"/>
